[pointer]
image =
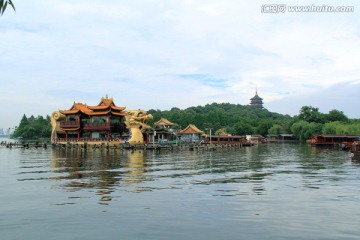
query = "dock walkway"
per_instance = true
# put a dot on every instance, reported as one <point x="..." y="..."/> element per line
<point x="123" y="146"/>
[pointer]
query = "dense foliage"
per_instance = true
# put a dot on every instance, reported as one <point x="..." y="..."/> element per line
<point x="241" y="120"/>
<point x="33" y="128"/>
<point x="311" y="122"/>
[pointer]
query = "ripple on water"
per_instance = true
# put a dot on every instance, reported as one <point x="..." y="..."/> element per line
<point x="274" y="191"/>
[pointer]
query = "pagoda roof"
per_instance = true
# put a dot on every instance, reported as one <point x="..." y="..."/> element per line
<point x="164" y="122"/>
<point x="105" y="107"/>
<point x="106" y="103"/>
<point x="256" y="97"/>
<point x="191" y="128"/>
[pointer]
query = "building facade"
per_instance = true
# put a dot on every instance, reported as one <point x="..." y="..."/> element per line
<point x="82" y="122"/>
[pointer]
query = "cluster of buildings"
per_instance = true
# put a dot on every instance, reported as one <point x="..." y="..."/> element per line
<point x="6" y="133"/>
<point x="108" y="122"/>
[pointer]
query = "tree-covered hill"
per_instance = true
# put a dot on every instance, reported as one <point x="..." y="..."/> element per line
<point x="241" y="120"/>
<point x="234" y="118"/>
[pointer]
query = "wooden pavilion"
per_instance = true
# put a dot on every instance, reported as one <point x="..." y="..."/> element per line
<point x="191" y="134"/>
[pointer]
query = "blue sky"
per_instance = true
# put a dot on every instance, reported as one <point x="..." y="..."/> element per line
<point x="159" y="54"/>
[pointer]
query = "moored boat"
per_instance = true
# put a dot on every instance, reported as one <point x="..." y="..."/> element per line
<point x="345" y="141"/>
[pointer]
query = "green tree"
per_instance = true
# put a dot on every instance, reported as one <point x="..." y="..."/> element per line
<point x="298" y="128"/>
<point x="336" y="115"/>
<point x="264" y="126"/>
<point x="330" y="127"/>
<point x="33" y="127"/>
<point x="276" y="129"/>
<point x="24" y="121"/>
<point x="303" y="130"/>
<point x="311" y="114"/>
<point x="313" y="129"/>
<point x="243" y="128"/>
<point x="4" y="4"/>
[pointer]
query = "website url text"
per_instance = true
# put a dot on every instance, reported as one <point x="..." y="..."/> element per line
<point x="282" y="8"/>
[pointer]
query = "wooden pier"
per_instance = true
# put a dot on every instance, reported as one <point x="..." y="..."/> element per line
<point x="30" y="144"/>
<point x="115" y="145"/>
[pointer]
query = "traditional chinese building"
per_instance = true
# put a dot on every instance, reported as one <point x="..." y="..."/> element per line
<point x="162" y="130"/>
<point x="191" y="134"/>
<point x="256" y="101"/>
<point x="164" y="123"/>
<point x="104" y="121"/>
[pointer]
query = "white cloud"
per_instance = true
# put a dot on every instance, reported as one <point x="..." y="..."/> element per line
<point x="64" y="51"/>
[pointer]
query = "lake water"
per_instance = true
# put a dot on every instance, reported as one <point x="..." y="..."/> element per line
<point x="269" y="191"/>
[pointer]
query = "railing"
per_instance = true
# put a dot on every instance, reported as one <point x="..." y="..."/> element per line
<point x="117" y="127"/>
<point x="89" y="140"/>
<point x="96" y="126"/>
<point x="93" y="126"/>
<point x="69" y="124"/>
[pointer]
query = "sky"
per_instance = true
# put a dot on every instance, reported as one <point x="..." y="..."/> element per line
<point x="159" y="54"/>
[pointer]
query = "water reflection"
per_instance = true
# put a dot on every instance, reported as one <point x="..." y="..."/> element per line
<point x="135" y="166"/>
<point x="321" y="167"/>
<point x="183" y="192"/>
<point x="77" y="170"/>
<point x="103" y="170"/>
<point x="232" y="173"/>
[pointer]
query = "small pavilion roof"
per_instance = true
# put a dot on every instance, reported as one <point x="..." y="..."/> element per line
<point x="164" y="122"/>
<point x="191" y="128"/>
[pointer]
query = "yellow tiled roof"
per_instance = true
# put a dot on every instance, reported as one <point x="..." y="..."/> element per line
<point x="191" y="128"/>
<point x="163" y="121"/>
<point x="105" y="106"/>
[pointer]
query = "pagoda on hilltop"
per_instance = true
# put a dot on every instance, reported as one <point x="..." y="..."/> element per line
<point x="256" y="101"/>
